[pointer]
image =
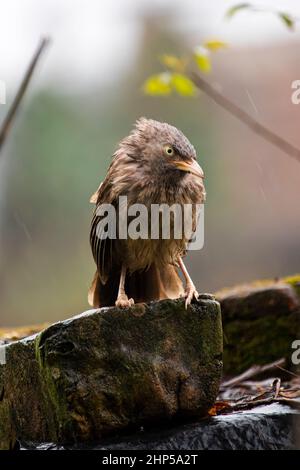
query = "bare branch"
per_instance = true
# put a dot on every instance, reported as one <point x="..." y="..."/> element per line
<point x="254" y="372"/>
<point x="246" y="118"/>
<point x="21" y="91"/>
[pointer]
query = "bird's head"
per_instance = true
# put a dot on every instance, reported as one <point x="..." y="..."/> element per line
<point x="161" y="149"/>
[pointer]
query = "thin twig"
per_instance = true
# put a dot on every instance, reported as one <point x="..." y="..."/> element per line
<point x="287" y="371"/>
<point x="21" y="91"/>
<point x="253" y="372"/>
<point x="246" y="118"/>
<point x="253" y="404"/>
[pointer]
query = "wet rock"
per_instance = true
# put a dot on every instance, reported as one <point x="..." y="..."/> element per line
<point x="271" y="427"/>
<point x="260" y="322"/>
<point x="108" y="370"/>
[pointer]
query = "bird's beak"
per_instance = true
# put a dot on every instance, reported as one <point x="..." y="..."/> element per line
<point x="190" y="167"/>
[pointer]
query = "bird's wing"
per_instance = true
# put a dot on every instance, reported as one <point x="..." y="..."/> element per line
<point x="122" y="179"/>
<point x="94" y="196"/>
<point x="103" y="247"/>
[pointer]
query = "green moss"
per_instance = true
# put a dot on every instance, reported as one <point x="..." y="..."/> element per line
<point x="240" y="289"/>
<point x="7" y="433"/>
<point x="260" y="320"/>
<point x="293" y="281"/>
<point x="259" y="341"/>
<point x="56" y="408"/>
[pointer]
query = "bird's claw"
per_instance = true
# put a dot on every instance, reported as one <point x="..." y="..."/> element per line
<point x="189" y="294"/>
<point x="123" y="301"/>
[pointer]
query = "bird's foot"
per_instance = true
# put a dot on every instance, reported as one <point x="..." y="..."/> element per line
<point x="190" y="293"/>
<point x="123" y="301"/>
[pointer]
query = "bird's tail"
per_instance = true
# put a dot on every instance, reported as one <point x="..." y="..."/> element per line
<point x="143" y="286"/>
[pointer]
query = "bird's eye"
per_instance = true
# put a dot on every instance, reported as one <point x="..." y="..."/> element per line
<point x="169" y="150"/>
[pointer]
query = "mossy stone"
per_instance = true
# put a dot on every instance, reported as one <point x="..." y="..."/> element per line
<point x="109" y="370"/>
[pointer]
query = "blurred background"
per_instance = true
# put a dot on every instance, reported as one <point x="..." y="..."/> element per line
<point x="85" y="96"/>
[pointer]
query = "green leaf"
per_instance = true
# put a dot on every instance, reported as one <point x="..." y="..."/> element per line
<point x="215" y="44"/>
<point x="287" y="19"/>
<point x="236" y="8"/>
<point x="159" y="84"/>
<point x="183" y="85"/>
<point x="202" y="59"/>
<point x="174" y="63"/>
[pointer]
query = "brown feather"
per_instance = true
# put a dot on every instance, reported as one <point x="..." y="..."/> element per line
<point x="140" y="171"/>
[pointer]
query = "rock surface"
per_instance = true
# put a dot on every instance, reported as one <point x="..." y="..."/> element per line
<point x="271" y="427"/>
<point x="260" y="322"/>
<point x="107" y="370"/>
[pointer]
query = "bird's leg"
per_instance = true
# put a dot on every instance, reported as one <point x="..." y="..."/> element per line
<point x="122" y="299"/>
<point x="190" y="289"/>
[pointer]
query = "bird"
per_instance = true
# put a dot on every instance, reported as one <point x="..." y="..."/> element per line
<point x="154" y="164"/>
